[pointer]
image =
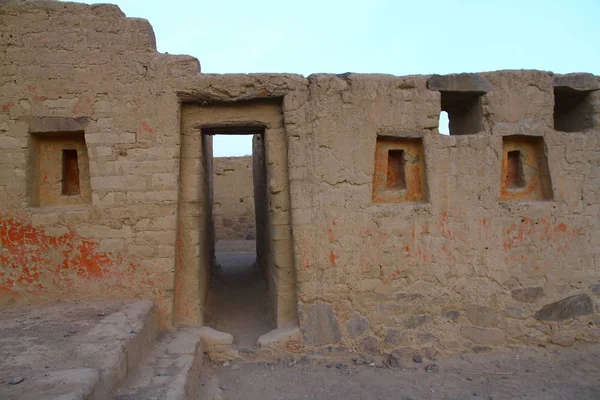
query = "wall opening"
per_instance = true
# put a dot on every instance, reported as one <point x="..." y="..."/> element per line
<point x="70" y="172"/>
<point x="514" y="170"/>
<point x="443" y="123"/>
<point x="238" y="300"/>
<point x="525" y="172"/>
<point x="573" y="110"/>
<point x="232" y="145"/>
<point x="399" y="171"/>
<point x="465" y="112"/>
<point x="59" y="174"/>
<point x="206" y="289"/>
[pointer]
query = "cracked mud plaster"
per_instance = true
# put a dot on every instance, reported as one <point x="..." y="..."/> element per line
<point x="465" y="242"/>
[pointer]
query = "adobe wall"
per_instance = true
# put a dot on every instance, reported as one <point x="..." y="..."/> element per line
<point x="74" y="68"/>
<point x="234" y="199"/>
<point x="460" y="265"/>
<point x="403" y="238"/>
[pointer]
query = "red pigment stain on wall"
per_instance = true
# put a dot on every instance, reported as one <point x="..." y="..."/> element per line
<point x="542" y="230"/>
<point x="64" y="266"/>
<point x="333" y="257"/>
<point x="444" y="225"/>
<point x="7" y="106"/>
<point x="36" y="98"/>
<point x="83" y="106"/>
<point x="330" y="235"/>
<point x="145" y="131"/>
<point x="388" y="279"/>
<point x="366" y="263"/>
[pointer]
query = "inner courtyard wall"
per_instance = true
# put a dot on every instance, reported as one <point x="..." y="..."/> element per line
<point x="458" y="266"/>
<point x="234" y="199"/>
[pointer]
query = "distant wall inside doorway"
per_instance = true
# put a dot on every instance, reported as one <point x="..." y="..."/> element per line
<point x="234" y="199"/>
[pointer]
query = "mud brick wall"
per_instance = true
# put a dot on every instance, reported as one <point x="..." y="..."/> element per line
<point x="402" y="239"/>
<point x="233" y="204"/>
<point x="470" y="244"/>
<point x="87" y="79"/>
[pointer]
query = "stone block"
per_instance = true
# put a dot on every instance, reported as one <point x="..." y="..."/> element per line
<point x="516" y="312"/>
<point x="482" y="315"/>
<point x="528" y="295"/>
<point x="414" y="321"/>
<point x="563" y="340"/>
<point x="279" y="337"/>
<point x="319" y="324"/>
<point x="451" y="314"/>
<point x="393" y="337"/>
<point x="569" y="307"/>
<point x="211" y="337"/>
<point x="369" y="345"/>
<point x="579" y="81"/>
<point x="357" y="325"/>
<point x="57" y="124"/>
<point x="485" y="336"/>
<point x="474" y="83"/>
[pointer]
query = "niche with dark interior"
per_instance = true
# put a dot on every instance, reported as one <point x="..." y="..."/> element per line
<point x="59" y="170"/>
<point x="70" y="172"/>
<point x="514" y="170"/>
<point x="573" y="110"/>
<point x="525" y="172"/>
<point x="399" y="172"/>
<point x="465" y="112"/>
<point x="396" y="175"/>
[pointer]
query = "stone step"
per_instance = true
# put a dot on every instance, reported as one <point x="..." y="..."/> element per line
<point x="135" y="326"/>
<point x="170" y="371"/>
<point x="220" y="346"/>
<point x="78" y="351"/>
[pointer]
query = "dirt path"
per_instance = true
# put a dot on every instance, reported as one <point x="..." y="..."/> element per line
<point x="238" y="302"/>
<point x="539" y="373"/>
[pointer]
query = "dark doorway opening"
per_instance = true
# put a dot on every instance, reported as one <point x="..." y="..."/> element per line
<point x="238" y="299"/>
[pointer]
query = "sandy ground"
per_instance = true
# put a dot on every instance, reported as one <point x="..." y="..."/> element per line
<point x="238" y="302"/>
<point x="536" y="373"/>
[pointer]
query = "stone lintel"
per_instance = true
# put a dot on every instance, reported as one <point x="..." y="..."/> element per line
<point x="57" y="124"/>
<point x="580" y="82"/>
<point x="473" y="83"/>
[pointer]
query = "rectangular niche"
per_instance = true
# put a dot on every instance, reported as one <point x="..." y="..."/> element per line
<point x="60" y="173"/>
<point x="525" y="173"/>
<point x="399" y="175"/>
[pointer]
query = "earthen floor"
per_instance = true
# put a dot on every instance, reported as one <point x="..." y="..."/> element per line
<point x="550" y="373"/>
<point x="239" y="300"/>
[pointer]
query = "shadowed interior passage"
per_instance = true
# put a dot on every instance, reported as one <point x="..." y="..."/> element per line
<point x="238" y="302"/>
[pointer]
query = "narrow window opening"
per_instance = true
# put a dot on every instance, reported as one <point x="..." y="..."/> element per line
<point x="70" y="173"/>
<point x="514" y="170"/>
<point x="443" y="124"/>
<point x="396" y="174"/>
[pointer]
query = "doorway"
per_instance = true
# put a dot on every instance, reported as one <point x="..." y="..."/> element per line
<point x="230" y="284"/>
<point x="238" y="299"/>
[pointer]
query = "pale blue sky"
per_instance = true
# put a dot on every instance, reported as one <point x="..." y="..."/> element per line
<point x="375" y="36"/>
